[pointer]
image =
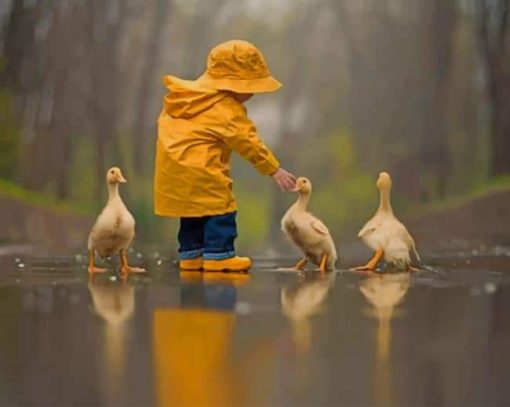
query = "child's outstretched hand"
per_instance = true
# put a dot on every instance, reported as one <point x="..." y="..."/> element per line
<point x="285" y="180"/>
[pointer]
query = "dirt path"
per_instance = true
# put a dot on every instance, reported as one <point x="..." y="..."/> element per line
<point x="482" y="221"/>
<point x="24" y="225"/>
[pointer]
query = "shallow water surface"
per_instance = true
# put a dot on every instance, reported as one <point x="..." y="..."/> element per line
<point x="437" y="337"/>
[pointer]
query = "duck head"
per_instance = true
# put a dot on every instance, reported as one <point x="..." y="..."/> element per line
<point x="384" y="180"/>
<point x="114" y="176"/>
<point x="303" y="186"/>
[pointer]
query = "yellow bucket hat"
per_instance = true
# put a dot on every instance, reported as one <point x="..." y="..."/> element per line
<point x="240" y="67"/>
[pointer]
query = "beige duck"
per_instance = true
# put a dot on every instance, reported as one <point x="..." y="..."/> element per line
<point x="114" y="228"/>
<point x="386" y="235"/>
<point x="115" y="304"/>
<point x="307" y="232"/>
<point x="301" y="304"/>
<point x="384" y="293"/>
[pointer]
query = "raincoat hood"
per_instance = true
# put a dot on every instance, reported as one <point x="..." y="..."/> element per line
<point x="186" y="98"/>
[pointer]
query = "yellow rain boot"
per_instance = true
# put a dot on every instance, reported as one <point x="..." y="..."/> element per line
<point x="191" y="264"/>
<point x="232" y="264"/>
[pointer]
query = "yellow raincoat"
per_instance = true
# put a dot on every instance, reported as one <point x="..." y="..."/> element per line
<point x="191" y="353"/>
<point x="197" y="131"/>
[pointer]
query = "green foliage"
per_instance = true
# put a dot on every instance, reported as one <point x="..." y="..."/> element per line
<point x="82" y="180"/>
<point x="152" y="230"/>
<point x="344" y="196"/>
<point x="253" y="216"/>
<point x="9" y="137"/>
<point x="14" y="191"/>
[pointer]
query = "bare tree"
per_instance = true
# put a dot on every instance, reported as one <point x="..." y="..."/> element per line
<point x="494" y="40"/>
<point x="151" y="55"/>
<point x="104" y="28"/>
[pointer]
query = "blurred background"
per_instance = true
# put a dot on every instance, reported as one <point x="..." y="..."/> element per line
<point x="420" y="88"/>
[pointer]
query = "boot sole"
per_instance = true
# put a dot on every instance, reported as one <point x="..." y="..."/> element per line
<point x="225" y="268"/>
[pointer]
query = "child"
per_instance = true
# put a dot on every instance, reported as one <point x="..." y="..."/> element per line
<point x="201" y="123"/>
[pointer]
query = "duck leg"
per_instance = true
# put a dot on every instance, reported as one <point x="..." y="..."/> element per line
<point x="125" y="268"/>
<point x="92" y="267"/>
<point x="300" y="265"/>
<point x="372" y="263"/>
<point x="412" y="269"/>
<point x="324" y="262"/>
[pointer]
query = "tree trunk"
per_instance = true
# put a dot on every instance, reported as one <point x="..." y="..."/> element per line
<point x="493" y="39"/>
<point x="500" y="134"/>
<point x="147" y="76"/>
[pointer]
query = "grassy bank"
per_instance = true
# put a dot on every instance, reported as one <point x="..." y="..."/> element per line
<point x="11" y="190"/>
<point x="495" y="185"/>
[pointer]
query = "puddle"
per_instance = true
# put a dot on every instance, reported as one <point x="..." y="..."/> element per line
<point x="436" y="337"/>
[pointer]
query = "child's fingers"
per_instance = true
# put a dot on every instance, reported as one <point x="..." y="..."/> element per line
<point x="289" y="183"/>
<point x="291" y="176"/>
<point x="282" y="184"/>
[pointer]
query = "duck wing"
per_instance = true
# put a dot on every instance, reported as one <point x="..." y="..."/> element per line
<point x="369" y="227"/>
<point x="319" y="227"/>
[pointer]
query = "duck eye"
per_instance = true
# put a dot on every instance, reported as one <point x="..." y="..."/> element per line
<point x="112" y="172"/>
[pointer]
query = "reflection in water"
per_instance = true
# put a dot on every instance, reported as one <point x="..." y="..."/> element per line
<point x="301" y="303"/>
<point x="115" y="303"/>
<point x="384" y="292"/>
<point x="192" y="343"/>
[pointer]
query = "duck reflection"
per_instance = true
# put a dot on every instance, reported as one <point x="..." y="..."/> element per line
<point x="301" y="303"/>
<point x="192" y="343"/>
<point x="114" y="302"/>
<point x="384" y="293"/>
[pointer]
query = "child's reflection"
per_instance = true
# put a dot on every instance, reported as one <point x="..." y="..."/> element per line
<point x="192" y="343"/>
<point x="384" y="292"/>
<point x="211" y="290"/>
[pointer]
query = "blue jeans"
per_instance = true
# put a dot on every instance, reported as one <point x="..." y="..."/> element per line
<point x="209" y="236"/>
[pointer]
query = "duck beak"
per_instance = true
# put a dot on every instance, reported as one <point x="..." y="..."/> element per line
<point x="121" y="179"/>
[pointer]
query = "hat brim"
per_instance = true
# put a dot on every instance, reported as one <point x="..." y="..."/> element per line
<point x="260" y="85"/>
<point x="176" y="84"/>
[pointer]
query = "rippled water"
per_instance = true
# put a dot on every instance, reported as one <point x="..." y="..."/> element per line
<point x="438" y="337"/>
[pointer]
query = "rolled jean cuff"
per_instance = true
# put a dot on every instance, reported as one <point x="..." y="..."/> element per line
<point x="191" y="254"/>
<point x="219" y="256"/>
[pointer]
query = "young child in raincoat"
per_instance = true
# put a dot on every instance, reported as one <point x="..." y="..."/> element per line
<point x="202" y="122"/>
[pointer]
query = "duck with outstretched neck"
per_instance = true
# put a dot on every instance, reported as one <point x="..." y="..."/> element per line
<point x="114" y="228"/>
<point x="307" y="232"/>
<point x="386" y="235"/>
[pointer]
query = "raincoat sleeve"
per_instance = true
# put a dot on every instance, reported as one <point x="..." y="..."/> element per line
<point x="241" y="136"/>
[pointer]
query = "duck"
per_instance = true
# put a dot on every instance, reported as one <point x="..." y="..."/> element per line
<point x="307" y="232"/>
<point x="114" y="303"/>
<point x="386" y="235"/>
<point x="300" y="304"/>
<point x="114" y="228"/>
<point x="384" y="292"/>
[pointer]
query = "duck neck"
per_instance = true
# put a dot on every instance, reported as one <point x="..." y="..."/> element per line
<point x="302" y="201"/>
<point x="384" y="200"/>
<point x="113" y="191"/>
